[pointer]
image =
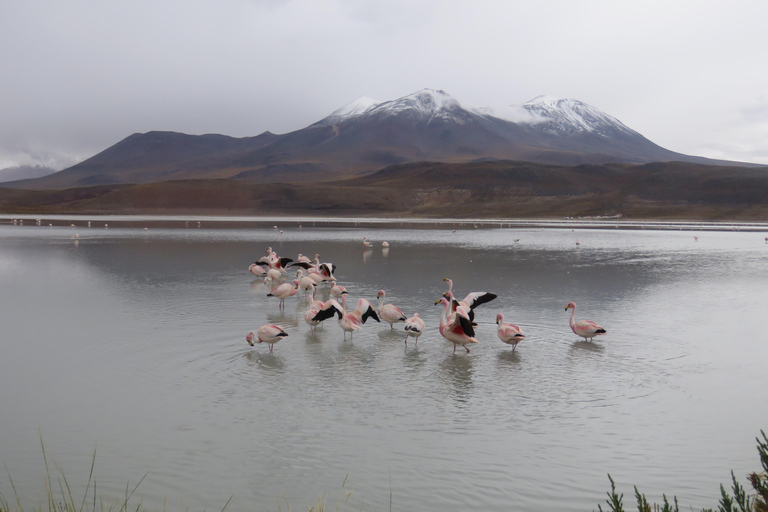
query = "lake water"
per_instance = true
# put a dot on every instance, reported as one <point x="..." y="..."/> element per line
<point x="132" y="343"/>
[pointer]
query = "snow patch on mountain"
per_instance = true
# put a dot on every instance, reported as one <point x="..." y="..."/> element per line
<point x="355" y="108"/>
<point x="569" y="116"/>
<point x="424" y="105"/>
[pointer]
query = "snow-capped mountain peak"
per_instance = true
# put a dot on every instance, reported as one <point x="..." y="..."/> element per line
<point x="426" y="104"/>
<point x="557" y="116"/>
<point x="355" y="108"/>
<point x="566" y="115"/>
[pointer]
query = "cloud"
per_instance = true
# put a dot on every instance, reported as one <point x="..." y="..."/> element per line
<point x="79" y="76"/>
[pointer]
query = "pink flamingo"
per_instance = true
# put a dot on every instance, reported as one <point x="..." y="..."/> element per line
<point x="269" y="334"/>
<point x="306" y="283"/>
<point x="348" y="323"/>
<point x="471" y="301"/>
<point x="587" y="329"/>
<point x="256" y="269"/>
<point x="363" y="311"/>
<point x="338" y="290"/>
<point x="313" y="308"/>
<point x="389" y="313"/>
<point x="284" y="291"/>
<point x="414" y="327"/>
<point x="456" y="328"/>
<point x="509" y="333"/>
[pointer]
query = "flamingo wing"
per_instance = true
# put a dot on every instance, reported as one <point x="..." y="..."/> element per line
<point x="369" y="313"/>
<point x="327" y="312"/>
<point x="588" y="326"/>
<point x="475" y="299"/>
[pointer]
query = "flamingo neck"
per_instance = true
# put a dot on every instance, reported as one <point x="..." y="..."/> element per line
<point x="573" y="313"/>
<point x="444" y="315"/>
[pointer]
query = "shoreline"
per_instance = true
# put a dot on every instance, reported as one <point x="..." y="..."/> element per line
<point x="292" y="222"/>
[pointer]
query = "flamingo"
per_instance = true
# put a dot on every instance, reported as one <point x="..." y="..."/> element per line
<point x="303" y="259"/>
<point x="257" y="269"/>
<point x="306" y="283"/>
<point x="313" y="308"/>
<point x="338" y="290"/>
<point x="456" y="328"/>
<point x="269" y="334"/>
<point x="284" y="291"/>
<point x="272" y="276"/>
<point x="471" y="301"/>
<point x="587" y="329"/>
<point x="363" y="311"/>
<point x="385" y="244"/>
<point x="347" y="322"/>
<point x="414" y="326"/>
<point x="366" y="243"/>
<point x="509" y="333"/>
<point x="327" y="310"/>
<point x="388" y="312"/>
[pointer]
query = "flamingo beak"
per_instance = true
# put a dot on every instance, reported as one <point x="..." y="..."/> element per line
<point x="437" y="302"/>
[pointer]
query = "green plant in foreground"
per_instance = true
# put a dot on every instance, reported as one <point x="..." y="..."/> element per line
<point x="740" y="501"/>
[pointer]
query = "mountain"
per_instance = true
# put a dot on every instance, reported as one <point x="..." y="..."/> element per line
<point x="23" y="172"/>
<point x="492" y="189"/>
<point x="366" y="135"/>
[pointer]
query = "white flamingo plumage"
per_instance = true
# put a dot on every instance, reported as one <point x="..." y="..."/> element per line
<point x="509" y="333"/>
<point x="587" y="329"/>
<point x="269" y="334"/>
<point x="456" y="327"/>
<point x="414" y="327"/>
<point x="389" y="312"/>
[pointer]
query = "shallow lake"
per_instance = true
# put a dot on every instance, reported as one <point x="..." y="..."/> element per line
<point x="131" y="343"/>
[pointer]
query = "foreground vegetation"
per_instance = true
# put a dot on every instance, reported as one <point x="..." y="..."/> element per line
<point x="739" y="501"/>
<point x="62" y="500"/>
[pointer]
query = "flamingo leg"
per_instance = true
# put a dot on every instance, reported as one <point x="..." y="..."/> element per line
<point x="466" y="348"/>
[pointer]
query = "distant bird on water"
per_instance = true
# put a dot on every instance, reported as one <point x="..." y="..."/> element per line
<point x="269" y="334"/>
<point x="587" y="329"/>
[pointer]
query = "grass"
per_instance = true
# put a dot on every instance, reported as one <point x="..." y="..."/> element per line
<point x="59" y="497"/>
<point x="737" y="500"/>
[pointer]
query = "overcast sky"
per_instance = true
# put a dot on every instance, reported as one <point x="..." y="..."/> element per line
<point x="78" y="76"/>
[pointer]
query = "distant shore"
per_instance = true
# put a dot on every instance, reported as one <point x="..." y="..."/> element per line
<point x="285" y="223"/>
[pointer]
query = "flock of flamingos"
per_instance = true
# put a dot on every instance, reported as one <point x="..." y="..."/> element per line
<point x="456" y="321"/>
